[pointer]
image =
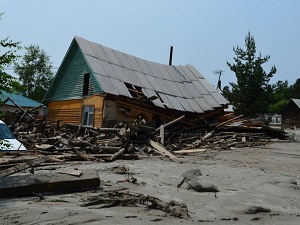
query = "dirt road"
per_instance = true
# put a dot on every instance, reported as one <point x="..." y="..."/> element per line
<point x="249" y="180"/>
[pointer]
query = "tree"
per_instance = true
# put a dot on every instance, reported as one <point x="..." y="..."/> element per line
<point x="250" y="95"/>
<point x="9" y="49"/>
<point x="35" y="72"/>
<point x="280" y="96"/>
<point x="295" y="89"/>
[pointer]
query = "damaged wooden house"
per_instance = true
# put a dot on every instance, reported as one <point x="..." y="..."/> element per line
<point x="98" y="86"/>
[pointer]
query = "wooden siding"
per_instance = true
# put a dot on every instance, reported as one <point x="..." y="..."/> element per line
<point x="69" y="79"/>
<point x="70" y="111"/>
<point x="291" y="115"/>
<point x="115" y="112"/>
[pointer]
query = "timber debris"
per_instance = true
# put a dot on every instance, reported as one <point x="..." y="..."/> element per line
<point x="128" y="141"/>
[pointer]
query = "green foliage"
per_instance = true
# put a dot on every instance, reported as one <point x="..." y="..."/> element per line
<point x="295" y="89"/>
<point x="8" y="49"/>
<point x="278" y="106"/>
<point x="250" y="95"/>
<point x="35" y="72"/>
<point x="280" y="96"/>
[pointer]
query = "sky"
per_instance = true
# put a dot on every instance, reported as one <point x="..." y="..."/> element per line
<point x="202" y="32"/>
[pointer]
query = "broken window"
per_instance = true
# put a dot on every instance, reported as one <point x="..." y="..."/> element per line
<point x="86" y="84"/>
<point x="88" y="116"/>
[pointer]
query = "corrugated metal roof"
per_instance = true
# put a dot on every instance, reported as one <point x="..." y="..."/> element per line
<point x="166" y="101"/>
<point x="19" y="99"/>
<point x="179" y="87"/>
<point x="211" y="101"/>
<point x="194" y="71"/>
<point x="177" y="105"/>
<point x="296" y="101"/>
<point x="203" y="104"/>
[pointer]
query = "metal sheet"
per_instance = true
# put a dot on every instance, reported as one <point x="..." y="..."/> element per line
<point x="110" y="55"/>
<point x="131" y="77"/>
<point x="201" y="89"/>
<point x="134" y="65"/>
<point x="166" y="101"/>
<point x="174" y="76"/>
<point x="155" y="71"/>
<point x="207" y="85"/>
<point x="183" y="90"/>
<point x="219" y="98"/>
<point x="188" y="73"/>
<point x="122" y="59"/>
<point x="98" y="51"/>
<point x="84" y="46"/>
<point x="106" y="84"/>
<point x="180" y="73"/>
<point x="296" y="101"/>
<point x="149" y="93"/>
<point x="203" y="104"/>
<point x="144" y="66"/>
<point x="95" y="65"/>
<point x="121" y="88"/>
<point x="174" y="89"/>
<point x="155" y="84"/>
<point x="194" y="71"/>
<point x="185" y="104"/>
<point x="166" y="87"/>
<point x="164" y="73"/>
<point x="192" y="90"/>
<point x="175" y="102"/>
<point x="211" y="101"/>
<point x="194" y="105"/>
<point x="109" y="71"/>
<point x="144" y="80"/>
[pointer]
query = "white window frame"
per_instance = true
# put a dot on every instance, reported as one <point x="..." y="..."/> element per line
<point x="88" y="115"/>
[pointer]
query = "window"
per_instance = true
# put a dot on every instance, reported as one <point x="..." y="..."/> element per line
<point x="88" y="116"/>
<point x="86" y="84"/>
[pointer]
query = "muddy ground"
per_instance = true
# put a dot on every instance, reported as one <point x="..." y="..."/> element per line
<point x="265" y="177"/>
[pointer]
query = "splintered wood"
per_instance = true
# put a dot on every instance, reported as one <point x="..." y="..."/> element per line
<point x="135" y="140"/>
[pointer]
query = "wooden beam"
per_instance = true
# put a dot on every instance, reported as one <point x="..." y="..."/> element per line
<point x="23" y="185"/>
<point x="24" y="166"/>
<point x="161" y="150"/>
<point x="190" y="151"/>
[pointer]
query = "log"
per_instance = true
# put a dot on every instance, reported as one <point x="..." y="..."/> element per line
<point x="190" y="151"/>
<point x="208" y="135"/>
<point x="23" y="185"/>
<point x="117" y="155"/>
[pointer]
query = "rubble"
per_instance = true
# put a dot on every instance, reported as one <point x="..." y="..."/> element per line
<point x="54" y="142"/>
<point x="67" y="142"/>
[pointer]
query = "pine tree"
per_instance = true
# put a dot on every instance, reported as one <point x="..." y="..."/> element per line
<point x="250" y="95"/>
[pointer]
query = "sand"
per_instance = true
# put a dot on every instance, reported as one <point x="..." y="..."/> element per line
<point x="265" y="177"/>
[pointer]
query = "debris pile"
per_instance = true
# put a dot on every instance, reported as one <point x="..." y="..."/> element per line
<point x="138" y="139"/>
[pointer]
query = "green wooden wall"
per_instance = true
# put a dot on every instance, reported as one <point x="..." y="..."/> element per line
<point x="68" y="82"/>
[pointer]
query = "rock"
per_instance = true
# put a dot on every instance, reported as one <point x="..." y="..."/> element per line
<point x="256" y="209"/>
<point x="189" y="180"/>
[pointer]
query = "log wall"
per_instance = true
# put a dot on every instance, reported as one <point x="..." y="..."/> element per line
<point x="70" y="111"/>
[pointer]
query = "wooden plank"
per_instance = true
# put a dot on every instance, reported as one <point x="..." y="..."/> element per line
<point x="190" y="151"/>
<point x="161" y="150"/>
<point x="76" y="173"/>
<point x="23" y="185"/>
<point x="24" y="166"/>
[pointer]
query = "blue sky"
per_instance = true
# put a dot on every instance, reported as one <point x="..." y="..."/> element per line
<point x="203" y="32"/>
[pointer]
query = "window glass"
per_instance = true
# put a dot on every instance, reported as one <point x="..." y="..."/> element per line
<point x="88" y="116"/>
